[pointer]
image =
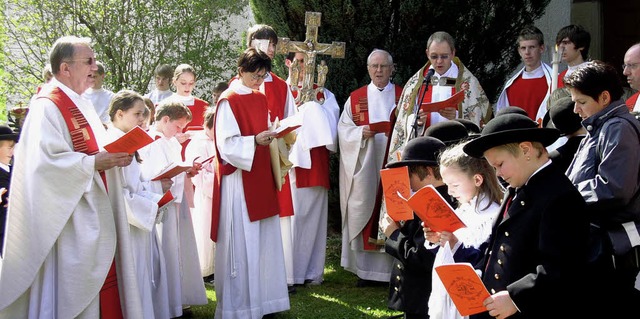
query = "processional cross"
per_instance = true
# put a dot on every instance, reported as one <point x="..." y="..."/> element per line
<point x="311" y="48"/>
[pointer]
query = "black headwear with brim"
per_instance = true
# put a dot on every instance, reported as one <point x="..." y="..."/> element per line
<point x="509" y="128"/>
<point x="422" y="150"/>
<point x="7" y="134"/>
<point x="449" y="132"/>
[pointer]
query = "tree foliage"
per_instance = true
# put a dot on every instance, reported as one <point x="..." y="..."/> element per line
<point x="130" y="37"/>
<point x="485" y="33"/>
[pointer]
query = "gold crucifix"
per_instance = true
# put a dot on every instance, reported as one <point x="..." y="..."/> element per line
<point x="310" y="48"/>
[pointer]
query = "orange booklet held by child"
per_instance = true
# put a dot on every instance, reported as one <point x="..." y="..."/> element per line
<point x="396" y="181"/>
<point x="464" y="286"/>
<point x="132" y="141"/>
<point x="434" y="210"/>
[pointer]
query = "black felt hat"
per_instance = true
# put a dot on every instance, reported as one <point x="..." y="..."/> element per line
<point x="7" y="134"/>
<point x="511" y="110"/>
<point x="449" y="132"/>
<point x="472" y="128"/>
<point x="563" y="117"/>
<point x="510" y="128"/>
<point x="420" y="151"/>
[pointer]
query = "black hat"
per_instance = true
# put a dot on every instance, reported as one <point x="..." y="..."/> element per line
<point x="472" y="128"/>
<point x="420" y="151"/>
<point x="509" y="128"/>
<point x="449" y="132"/>
<point x="511" y="110"/>
<point x="563" y="117"/>
<point x="7" y="134"/>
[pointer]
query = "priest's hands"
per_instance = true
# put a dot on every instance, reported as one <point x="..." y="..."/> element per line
<point x="264" y="138"/>
<point x="448" y="112"/>
<point x="166" y="184"/>
<point x="105" y="160"/>
<point x="367" y="133"/>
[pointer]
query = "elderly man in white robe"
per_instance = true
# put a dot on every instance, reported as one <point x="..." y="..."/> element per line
<point x="362" y="151"/>
<point x="67" y="225"/>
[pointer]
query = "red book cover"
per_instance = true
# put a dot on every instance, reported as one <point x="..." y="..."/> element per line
<point x="132" y="141"/>
<point x="464" y="287"/>
<point x="453" y="102"/>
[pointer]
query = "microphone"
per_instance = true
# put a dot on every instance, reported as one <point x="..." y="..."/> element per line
<point x="427" y="77"/>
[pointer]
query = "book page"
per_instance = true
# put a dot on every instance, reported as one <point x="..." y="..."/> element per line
<point x="434" y="210"/>
<point x="453" y="102"/>
<point x="396" y="181"/>
<point x="132" y="141"/>
<point x="171" y="171"/>
<point x="380" y="127"/>
<point x="464" y="287"/>
<point x="287" y="125"/>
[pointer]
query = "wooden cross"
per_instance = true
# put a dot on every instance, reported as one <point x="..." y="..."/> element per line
<point x="310" y="47"/>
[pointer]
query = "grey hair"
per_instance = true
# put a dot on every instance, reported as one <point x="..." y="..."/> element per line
<point x="442" y="36"/>
<point x="389" y="57"/>
<point x="64" y="49"/>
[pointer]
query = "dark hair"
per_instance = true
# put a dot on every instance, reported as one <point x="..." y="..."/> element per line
<point x="152" y="109"/>
<point x="577" y="34"/>
<point x="220" y="87"/>
<point x="261" y="32"/>
<point x="422" y="171"/>
<point x="209" y="115"/>
<point x="594" y="78"/>
<point x="530" y="32"/>
<point x="252" y="60"/>
<point x="124" y="100"/>
<point x="164" y="70"/>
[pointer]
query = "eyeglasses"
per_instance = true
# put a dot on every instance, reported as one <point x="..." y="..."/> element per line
<point x="381" y="66"/>
<point x="442" y="57"/>
<point x="87" y="61"/>
<point x="631" y="66"/>
<point x="257" y="77"/>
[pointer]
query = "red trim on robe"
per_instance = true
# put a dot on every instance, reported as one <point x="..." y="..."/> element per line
<point x="318" y="174"/>
<point x="528" y="94"/>
<point x="197" y="119"/>
<point x="561" y="78"/>
<point x="84" y="141"/>
<point x="258" y="184"/>
<point x="632" y="100"/>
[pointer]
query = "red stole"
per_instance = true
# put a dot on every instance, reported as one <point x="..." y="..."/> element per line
<point x="85" y="142"/>
<point x="259" y="186"/>
<point x="561" y="78"/>
<point x="632" y="100"/>
<point x="276" y="92"/>
<point x="528" y="94"/>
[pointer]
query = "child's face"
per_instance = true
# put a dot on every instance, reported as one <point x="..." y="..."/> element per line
<point x="185" y="83"/>
<point x="6" y="151"/>
<point x="170" y="127"/>
<point x="508" y="166"/>
<point x="162" y="83"/>
<point x="134" y="116"/>
<point x="461" y="185"/>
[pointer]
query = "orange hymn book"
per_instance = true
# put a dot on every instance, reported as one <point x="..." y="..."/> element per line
<point x="453" y="102"/>
<point x="434" y="210"/>
<point x="132" y="141"/>
<point x="396" y="181"/>
<point x="464" y="286"/>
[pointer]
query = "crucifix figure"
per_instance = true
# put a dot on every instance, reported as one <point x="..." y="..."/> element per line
<point x="310" y="48"/>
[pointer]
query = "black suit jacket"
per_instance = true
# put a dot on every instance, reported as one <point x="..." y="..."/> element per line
<point x="538" y="252"/>
<point x="5" y="178"/>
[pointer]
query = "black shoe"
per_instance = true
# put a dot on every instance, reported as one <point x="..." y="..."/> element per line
<point x="292" y="289"/>
<point x="370" y="283"/>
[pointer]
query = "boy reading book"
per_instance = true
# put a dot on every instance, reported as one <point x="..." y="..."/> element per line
<point x="410" y="282"/>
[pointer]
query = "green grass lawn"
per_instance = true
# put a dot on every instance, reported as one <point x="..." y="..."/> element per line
<point x="337" y="297"/>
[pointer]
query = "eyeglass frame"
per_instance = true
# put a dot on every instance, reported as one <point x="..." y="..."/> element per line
<point x="87" y="61"/>
<point x="379" y="66"/>
<point x="256" y="77"/>
<point x="631" y="66"/>
<point x="440" y="56"/>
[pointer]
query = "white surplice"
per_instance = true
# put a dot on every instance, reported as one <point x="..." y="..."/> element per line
<point x="142" y="208"/>
<point x="63" y="228"/>
<point x="311" y="204"/>
<point x="360" y="164"/>
<point x="202" y="147"/>
<point x="249" y="262"/>
<point x="175" y="231"/>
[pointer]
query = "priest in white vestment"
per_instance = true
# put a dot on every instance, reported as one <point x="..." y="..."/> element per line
<point x="362" y="153"/>
<point x="66" y="226"/>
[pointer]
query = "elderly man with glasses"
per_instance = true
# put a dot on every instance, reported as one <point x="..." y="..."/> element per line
<point x="631" y="69"/>
<point x="448" y="77"/>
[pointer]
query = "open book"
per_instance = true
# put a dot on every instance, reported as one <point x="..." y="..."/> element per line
<point x="464" y="287"/>
<point x="287" y="125"/>
<point x="132" y="141"/>
<point x="172" y="170"/>
<point x="453" y="102"/>
<point x="434" y="210"/>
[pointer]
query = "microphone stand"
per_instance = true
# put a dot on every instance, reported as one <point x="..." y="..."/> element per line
<point x="425" y="83"/>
